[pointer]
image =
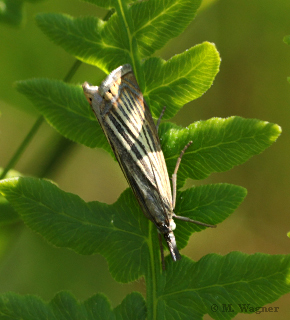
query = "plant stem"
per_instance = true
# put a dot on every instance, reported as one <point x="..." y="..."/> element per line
<point x="154" y="273"/>
<point x="108" y="15"/>
<point x="58" y="155"/>
<point x="122" y="11"/>
<point x="22" y="146"/>
<point x="72" y="71"/>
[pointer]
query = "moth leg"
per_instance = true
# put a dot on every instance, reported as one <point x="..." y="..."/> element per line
<point x="160" y="117"/>
<point x="174" y="179"/>
<point x="174" y="176"/>
<point x="193" y="221"/>
<point x="161" y="251"/>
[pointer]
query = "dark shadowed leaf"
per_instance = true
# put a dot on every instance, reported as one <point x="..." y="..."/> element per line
<point x="244" y="282"/>
<point x="120" y="232"/>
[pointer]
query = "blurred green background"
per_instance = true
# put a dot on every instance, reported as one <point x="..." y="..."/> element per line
<point x="251" y="83"/>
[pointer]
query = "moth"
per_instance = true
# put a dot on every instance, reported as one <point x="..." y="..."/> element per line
<point x="132" y="134"/>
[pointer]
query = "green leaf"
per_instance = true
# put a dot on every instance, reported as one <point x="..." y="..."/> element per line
<point x="132" y="33"/>
<point x="65" y="306"/>
<point x="120" y="232"/>
<point x="132" y="307"/>
<point x="189" y="290"/>
<point x="107" y="4"/>
<point x="109" y="44"/>
<point x="88" y="38"/>
<point x="183" y="78"/>
<point x="7" y="214"/>
<point x="210" y="204"/>
<point x="65" y="108"/>
<point x="28" y="307"/>
<point x="98" y="308"/>
<point x="117" y="231"/>
<point x="218" y="144"/>
<point x="155" y="22"/>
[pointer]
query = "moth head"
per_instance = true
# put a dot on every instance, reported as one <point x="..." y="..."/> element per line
<point x="91" y="92"/>
<point x="165" y="228"/>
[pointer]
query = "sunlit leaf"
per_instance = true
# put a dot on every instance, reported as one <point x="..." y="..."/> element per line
<point x="218" y="144"/>
<point x="65" y="107"/>
<point x="155" y="22"/>
<point x="183" y="78"/>
<point x="88" y="38"/>
<point x="7" y="214"/>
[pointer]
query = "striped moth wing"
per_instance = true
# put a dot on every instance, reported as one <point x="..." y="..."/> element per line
<point x="128" y="125"/>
